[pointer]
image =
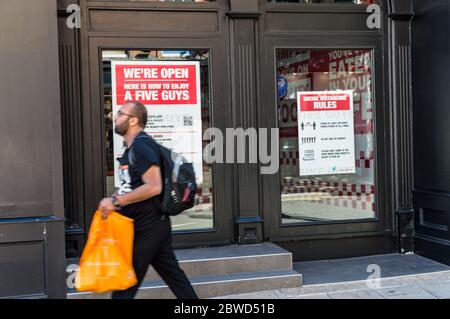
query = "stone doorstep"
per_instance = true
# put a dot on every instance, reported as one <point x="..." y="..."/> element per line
<point x="226" y="260"/>
<point x="230" y="265"/>
<point x="215" y="271"/>
<point x="214" y="286"/>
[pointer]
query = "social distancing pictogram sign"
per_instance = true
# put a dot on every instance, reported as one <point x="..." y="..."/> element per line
<point x="326" y="133"/>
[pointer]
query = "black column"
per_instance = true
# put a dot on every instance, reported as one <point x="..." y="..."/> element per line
<point x="400" y="15"/>
<point x="244" y="66"/>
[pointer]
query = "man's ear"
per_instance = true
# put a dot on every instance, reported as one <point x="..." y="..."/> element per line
<point x="134" y="121"/>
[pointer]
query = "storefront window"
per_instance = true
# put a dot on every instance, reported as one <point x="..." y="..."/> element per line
<point x="179" y="0"/>
<point x="329" y="1"/>
<point x="174" y="86"/>
<point x="327" y="149"/>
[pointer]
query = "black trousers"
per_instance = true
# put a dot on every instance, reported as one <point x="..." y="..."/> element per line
<point x="158" y="252"/>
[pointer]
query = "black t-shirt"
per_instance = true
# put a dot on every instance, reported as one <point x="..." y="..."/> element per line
<point x="132" y="166"/>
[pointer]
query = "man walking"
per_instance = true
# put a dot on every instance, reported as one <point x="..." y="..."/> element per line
<point x="141" y="183"/>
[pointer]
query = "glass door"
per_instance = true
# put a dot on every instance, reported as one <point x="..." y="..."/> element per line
<point x="184" y="87"/>
<point x="170" y="125"/>
<point x="320" y="193"/>
<point x="325" y="97"/>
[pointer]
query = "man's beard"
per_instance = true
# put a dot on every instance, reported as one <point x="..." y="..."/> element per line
<point x="122" y="129"/>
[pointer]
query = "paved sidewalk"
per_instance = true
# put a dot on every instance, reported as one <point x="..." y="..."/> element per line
<point x="401" y="277"/>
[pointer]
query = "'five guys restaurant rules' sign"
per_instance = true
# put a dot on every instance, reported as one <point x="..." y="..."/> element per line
<point x="171" y="93"/>
<point x="325" y="133"/>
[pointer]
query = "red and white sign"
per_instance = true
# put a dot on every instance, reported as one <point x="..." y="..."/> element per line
<point x="326" y="133"/>
<point x="333" y="70"/>
<point x="311" y="102"/>
<point x="171" y="92"/>
<point x="161" y="83"/>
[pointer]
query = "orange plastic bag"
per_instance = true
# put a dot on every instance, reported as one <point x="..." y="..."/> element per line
<point x="107" y="260"/>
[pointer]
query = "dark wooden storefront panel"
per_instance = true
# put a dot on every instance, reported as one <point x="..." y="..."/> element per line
<point x="332" y="27"/>
<point x="430" y="64"/>
<point x="72" y="137"/>
<point x="289" y="22"/>
<point x="29" y="278"/>
<point x="198" y="19"/>
<point x="30" y="124"/>
<point x="155" y="21"/>
<point x="244" y="51"/>
<point x="247" y="61"/>
<point x="31" y="191"/>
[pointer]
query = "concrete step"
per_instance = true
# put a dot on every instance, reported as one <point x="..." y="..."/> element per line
<point x="216" y="261"/>
<point x="214" y="286"/>
<point x="217" y="271"/>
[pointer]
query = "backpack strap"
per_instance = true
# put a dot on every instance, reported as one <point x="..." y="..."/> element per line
<point x="131" y="156"/>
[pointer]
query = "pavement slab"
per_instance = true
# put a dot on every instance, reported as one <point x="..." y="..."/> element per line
<point x="401" y="277"/>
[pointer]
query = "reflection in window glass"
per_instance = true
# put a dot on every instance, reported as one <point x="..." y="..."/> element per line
<point x="322" y="198"/>
<point x="329" y="1"/>
<point x="178" y="0"/>
<point x="201" y="215"/>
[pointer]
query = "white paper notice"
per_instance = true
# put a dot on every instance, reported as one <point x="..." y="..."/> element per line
<point x="171" y="93"/>
<point x="326" y="133"/>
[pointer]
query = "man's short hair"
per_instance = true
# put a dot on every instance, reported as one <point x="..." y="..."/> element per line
<point x="140" y="111"/>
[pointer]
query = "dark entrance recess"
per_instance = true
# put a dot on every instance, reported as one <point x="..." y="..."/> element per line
<point x="430" y="61"/>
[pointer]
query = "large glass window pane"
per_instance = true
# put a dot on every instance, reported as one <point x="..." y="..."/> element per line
<point x="325" y="197"/>
<point x="201" y="215"/>
<point x="172" y="0"/>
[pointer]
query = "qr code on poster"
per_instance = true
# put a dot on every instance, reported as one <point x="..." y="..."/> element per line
<point x="188" y="120"/>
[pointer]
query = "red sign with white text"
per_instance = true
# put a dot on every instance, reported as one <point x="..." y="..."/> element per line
<point x="166" y="83"/>
<point x="324" y="102"/>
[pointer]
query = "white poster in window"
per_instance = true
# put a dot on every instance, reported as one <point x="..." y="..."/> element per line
<point x="171" y="92"/>
<point x="326" y="133"/>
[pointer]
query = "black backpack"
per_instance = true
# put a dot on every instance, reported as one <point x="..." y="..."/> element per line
<point x="178" y="178"/>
